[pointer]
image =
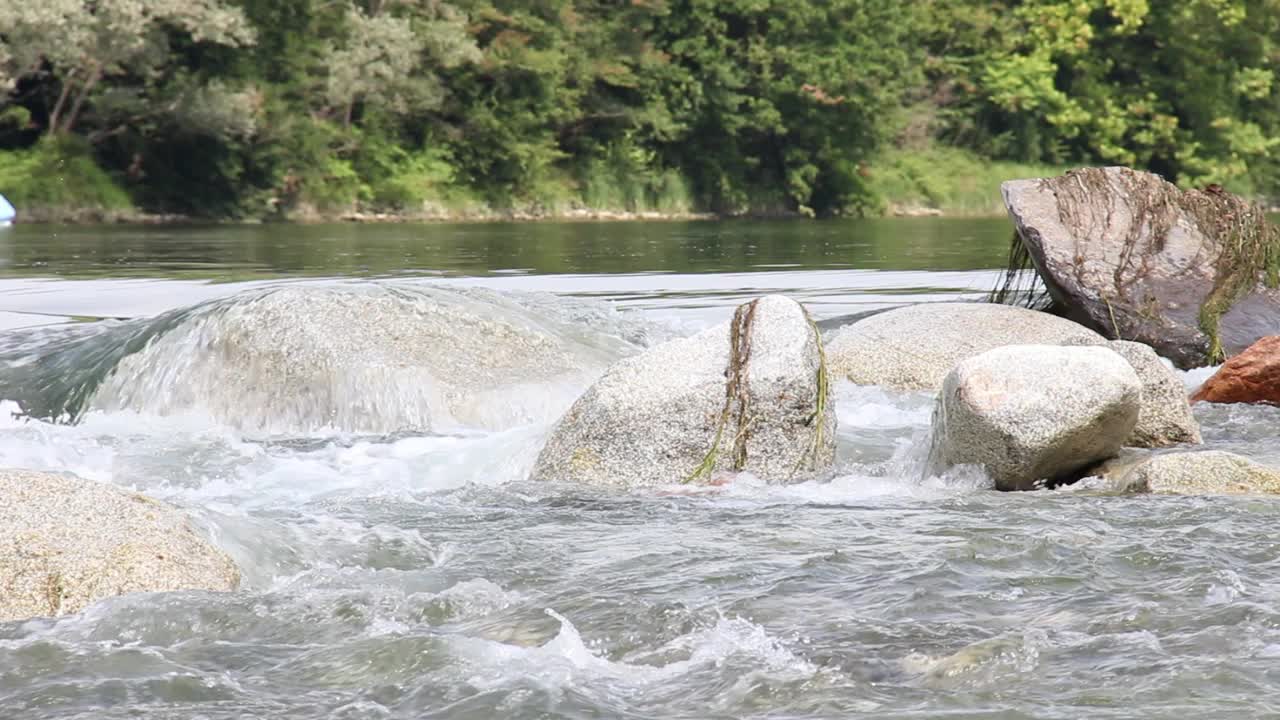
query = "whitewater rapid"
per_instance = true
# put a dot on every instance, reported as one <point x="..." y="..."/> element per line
<point x="419" y="574"/>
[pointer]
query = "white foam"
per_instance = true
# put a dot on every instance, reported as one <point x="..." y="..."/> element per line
<point x="1194" y="378"/>
<point x="566" y="661"/>
<point x="857" y="488"/>
<point x="373" y="357"/>
<point x="869" y="407"/>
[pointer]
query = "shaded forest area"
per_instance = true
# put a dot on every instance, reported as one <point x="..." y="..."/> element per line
<point x="303" y="108"/>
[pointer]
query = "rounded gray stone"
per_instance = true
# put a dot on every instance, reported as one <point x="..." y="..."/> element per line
<point x="66" y="542"/>
<point x="913" y="348"/>
<point x="360" y="358"/>
<point x="1203" y="472"/>
<point x="1028" y="414"/>
<point x="653" y="419"/>
<point x="1165" y="418"/>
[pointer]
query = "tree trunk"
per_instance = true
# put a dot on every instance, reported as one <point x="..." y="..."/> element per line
<point x="74" y="116"/>
<point x="56" y="114"/>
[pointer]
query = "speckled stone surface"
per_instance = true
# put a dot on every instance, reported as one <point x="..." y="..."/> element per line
<point x="651" y="419"/>
<point x="358" y="358"/>
<point x="1204" y="472"/>
<point x="913" y="348"/>
<point x="66" y="542"/>
<point x="1031" y="413"/>
<point x="1119" y="250"/>
<point x="1165" y="418"/>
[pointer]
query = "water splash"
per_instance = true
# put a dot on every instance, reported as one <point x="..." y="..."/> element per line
<point x="366" y="357"/>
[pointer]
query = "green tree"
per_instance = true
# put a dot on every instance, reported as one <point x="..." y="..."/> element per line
<point x="1185" y="88"/>
<point x="783" y="99"/>
<point x="76" y="45"/>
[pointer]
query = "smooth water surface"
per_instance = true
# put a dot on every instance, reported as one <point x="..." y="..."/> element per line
<point x="422" y="576"/>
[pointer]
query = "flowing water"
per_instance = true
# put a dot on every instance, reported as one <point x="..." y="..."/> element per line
<point x="421" y="575"/>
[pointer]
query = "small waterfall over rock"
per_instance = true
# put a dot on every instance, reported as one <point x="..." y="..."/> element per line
<point x="367" y="358"/>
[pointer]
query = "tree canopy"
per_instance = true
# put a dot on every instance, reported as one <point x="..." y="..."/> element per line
<point x="257" y="108"/>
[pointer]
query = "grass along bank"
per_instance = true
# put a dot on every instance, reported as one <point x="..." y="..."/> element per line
<point x="57" y="180"/>
<point x="939" y="180"/>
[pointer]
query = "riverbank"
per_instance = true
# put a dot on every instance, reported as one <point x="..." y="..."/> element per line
<point x="64" y="186"/>
<point x="97" y="216"/>
<point x="471" y="214"/>
<point x="60" y="181"/>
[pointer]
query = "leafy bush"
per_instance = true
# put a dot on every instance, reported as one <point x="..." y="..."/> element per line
<point x="57" y="175"/>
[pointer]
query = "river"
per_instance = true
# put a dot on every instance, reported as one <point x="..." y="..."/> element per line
<point x="423" y="576"/>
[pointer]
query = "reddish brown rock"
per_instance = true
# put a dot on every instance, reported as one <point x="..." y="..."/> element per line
<point x="1253" y="376"/>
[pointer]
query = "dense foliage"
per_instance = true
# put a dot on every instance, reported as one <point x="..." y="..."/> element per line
<point x="259" y="108"/>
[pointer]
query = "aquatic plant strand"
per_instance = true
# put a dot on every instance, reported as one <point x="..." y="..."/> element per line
<point x="735" y="392"/>
<point x="819" y="403"/>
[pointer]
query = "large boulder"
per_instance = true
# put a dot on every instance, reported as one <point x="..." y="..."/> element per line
<point x="1132" y="256"/>
<point x="1032" y="415"/>
<point x="1253" y="376"/>
<point x="913" y="348"/>
<point x="748" y="395"/>
<point x="363" y="358"/>
<point x="1165" y="418"/>
<point x="66" y="542"/>
<point x="1204" y="472"/>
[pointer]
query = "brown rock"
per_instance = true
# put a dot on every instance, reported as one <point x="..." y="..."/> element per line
<point x="1253" y="376"/>
<point x="1190" y="273"/>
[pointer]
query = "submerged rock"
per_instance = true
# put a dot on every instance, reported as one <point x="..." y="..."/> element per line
<point x="913" y="348"/>
<point x="749" y="395"/>
<point x="1204" y="472"/>
<point x="1034" y="414"/>
<point x="1253" y="376"/>
<point x="1165" y="417"/>
<point x="362" y="358"/>
<point x="1191" y="274"/>
<point x="66" y="542"/>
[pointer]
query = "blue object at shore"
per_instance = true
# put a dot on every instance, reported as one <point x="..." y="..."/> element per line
<point x="7" y="212"/>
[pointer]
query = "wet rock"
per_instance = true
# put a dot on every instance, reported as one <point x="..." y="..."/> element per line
<point x="363" y="358"/>
<point x="749" y="395"/>
<point x="1204" y="472"/>
<point x="1132" y="256"/>
<point x="1034" y="414"/>
<point x="1165" y="418"/>
<point x="66" y="542"/>
<point x="1253" y="376"/>
<point x="1115" y="474"/>
<point x="913" y="348"/>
